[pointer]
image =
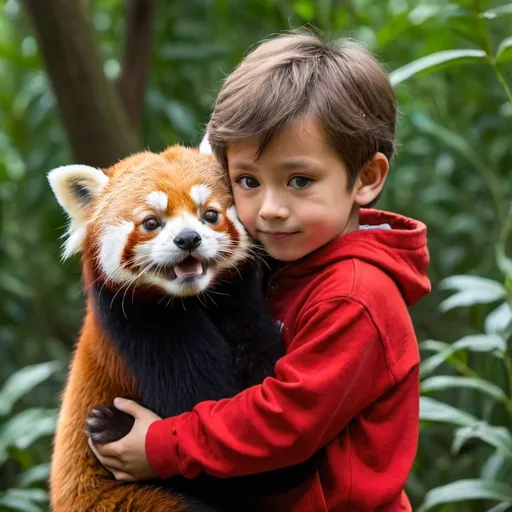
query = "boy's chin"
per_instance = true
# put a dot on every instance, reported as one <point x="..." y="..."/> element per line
<point x="284" y="254"/>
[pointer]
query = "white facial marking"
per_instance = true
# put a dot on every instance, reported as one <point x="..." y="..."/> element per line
<point x="112" y="245"/>
<point x="157" y="200"/>
<point x="232" y="215"/>
<point x="200" y="193"/>
<point x="215" y="206"/>
<point x="73" y="244"/>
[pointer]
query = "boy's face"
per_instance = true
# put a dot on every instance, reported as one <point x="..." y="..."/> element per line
<point x="294" y="198"/>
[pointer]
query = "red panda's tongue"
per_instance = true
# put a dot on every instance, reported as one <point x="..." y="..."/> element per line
<point x="188" y="268"/>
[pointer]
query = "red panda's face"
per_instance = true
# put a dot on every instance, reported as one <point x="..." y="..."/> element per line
<point x="164" y="221"/>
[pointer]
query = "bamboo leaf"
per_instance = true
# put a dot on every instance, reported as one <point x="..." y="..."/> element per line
<point x="498" y="320"/>
<point x="491" y="14"/>
<point x="433" y="345"/>
<point x="25" y="428"/>
<point x="493" y="465"/>
<point x="471" y="290"/>
<point x="433" y="410"/>
<point x="35" y="474"/>
<point x="504" y="51"/>
<point x="498" y="437"/>
<point x="474" y="343"/>
<point x="442" y="382"/>
<point x="463" y="490"/>
<point x="502" y="507"/>
<point x="481" y="343"/>
<point x="434" y="62"/>
<point x="23" y="381"/>
<point x="24" y="500"/>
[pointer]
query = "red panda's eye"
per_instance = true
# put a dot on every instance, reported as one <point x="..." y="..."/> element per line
<point x="211" y="216"/>
<point x="151" y="223"/>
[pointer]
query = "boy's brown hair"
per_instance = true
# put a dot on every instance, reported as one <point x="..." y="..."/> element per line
<point x="296" y="74"/>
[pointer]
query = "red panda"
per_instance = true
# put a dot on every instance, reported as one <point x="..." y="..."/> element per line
<point x="175" y="315"/>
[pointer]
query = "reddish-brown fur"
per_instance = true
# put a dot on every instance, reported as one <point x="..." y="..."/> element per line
<point x="78" y="482"/>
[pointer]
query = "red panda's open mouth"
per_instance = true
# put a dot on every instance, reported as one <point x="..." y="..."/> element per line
<point x="189" y="267"/>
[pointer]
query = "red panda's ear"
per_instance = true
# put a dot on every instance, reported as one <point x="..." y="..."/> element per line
<point x="204" y="147"/>
<point x="76" y="187"/>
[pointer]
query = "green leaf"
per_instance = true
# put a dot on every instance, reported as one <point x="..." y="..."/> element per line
<point x="498" y="437"/>
<point x="504" y="51"/>
<point x="434" y="345"/>
<point x="493" y="465"/>
<point x="498" y="320"/>
<point x="442" y="382"/>
<point x="503" y="261"/>
<point x="502" y="507"/>
<point x="25" y="428"/>
<point x="466" y="151"/>
<point x="434" y="410"/>
<point x="466" y="490"/>
<point x="392" y="29"/>
<point x="35" y="474"/>
<point x="497" y="11"/>
<point x="468" y="26"/>
<point x="474" y="343"/>
<point x="471" y="290"/>
<point x="481" y="343"/>
<point x="23" y="381"/>
<point x="434" y="62"/>
<point x="24" y="500"/>
<point x="465" y="282"/>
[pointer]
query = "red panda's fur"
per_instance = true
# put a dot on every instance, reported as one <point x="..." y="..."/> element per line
<point x="97" y="374"/>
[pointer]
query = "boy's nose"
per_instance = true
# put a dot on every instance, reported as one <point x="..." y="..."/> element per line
<point x="272" y="209"/>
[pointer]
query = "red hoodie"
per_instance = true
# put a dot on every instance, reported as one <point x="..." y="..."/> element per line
<point x="349" y="380"/>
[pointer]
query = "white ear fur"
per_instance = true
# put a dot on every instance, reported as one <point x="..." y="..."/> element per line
<point x="204" y="147"/>
<point x="75" y="186"/>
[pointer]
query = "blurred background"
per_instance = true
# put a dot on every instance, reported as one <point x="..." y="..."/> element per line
<point x="90" y="81"/>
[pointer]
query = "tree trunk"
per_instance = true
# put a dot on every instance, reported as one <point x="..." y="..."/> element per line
<point x="95" y="119"/>
<point x="131" y="83"/>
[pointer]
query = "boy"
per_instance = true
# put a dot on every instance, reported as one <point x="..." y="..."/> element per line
<point x="305" y="131"/>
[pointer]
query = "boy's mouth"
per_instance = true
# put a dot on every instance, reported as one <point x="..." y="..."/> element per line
<point x="278" y="235"/>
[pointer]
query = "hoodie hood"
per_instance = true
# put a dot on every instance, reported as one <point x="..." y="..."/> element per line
<point x="401" y="251"/>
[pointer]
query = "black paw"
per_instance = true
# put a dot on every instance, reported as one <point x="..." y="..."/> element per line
<point x="107" y="424"/>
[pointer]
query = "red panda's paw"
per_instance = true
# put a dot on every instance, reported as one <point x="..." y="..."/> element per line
<point x="108" y="424"/>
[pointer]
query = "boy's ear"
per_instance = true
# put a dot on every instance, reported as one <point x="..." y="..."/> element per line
<point x="371" y="179"/>
<point x="76" y="187"/>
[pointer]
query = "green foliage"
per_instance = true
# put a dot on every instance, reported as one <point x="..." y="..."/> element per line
<point x="450" y="62"/>
<point x="19" y="432"/>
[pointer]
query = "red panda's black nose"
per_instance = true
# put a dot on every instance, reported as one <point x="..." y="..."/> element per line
<point x="187" y="239"/>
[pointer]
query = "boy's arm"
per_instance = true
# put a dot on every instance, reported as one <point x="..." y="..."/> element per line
<point x="335" y="368"/>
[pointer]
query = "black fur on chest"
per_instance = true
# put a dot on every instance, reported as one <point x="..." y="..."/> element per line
<point x="176" y="354"/>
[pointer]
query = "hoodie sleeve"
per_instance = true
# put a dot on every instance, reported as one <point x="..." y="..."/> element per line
<point x="334" y="368"/>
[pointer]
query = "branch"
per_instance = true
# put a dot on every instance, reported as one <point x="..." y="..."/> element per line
<point x="140" y="16"/>
<point x="96" y="123"/>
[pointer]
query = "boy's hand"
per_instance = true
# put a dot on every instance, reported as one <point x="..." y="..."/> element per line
<point x="126" y="459"/>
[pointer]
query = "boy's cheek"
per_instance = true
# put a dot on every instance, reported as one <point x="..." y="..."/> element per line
<point x="246" y="214"/>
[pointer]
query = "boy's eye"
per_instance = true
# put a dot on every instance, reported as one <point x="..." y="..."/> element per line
<point x="300" y="182"/>
<point x="248" y="183"/>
